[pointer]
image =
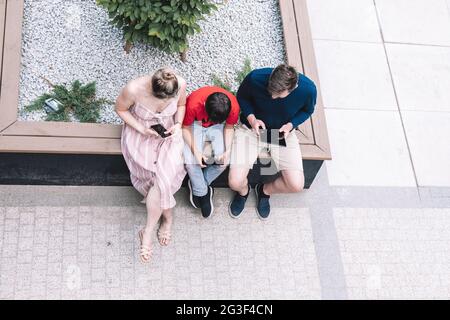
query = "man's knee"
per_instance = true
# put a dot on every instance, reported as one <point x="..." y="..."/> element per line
<point x="297" y="187"/>
<point x="295" y="182"/>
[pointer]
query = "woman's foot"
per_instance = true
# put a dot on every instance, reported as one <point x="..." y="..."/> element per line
<point x="145" y="250"/>
<point x="165" y="231"/>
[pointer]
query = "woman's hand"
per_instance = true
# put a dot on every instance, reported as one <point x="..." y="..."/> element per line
<point x="148" y="132"/>
<point x="174" y="130"/>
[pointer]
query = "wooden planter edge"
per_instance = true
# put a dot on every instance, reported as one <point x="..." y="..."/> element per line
<point x="56" y="137"/>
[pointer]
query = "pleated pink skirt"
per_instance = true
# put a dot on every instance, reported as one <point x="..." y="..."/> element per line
<point x="154" y="160"/>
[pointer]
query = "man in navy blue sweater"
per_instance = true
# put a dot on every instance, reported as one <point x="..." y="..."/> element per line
<point x="273" y="102"/>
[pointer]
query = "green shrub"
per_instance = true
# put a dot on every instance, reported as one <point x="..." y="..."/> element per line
<point x="165" y="24"/>
<point x="79" y="100"/>
<point x="240" y="76"/>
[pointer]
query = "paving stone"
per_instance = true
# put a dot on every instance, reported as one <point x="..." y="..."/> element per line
<point x="407" y="268"/>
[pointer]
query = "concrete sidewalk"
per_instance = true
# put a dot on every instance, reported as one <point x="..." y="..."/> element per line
<point x="91" y="251"/>
<point x="330" y="243"/>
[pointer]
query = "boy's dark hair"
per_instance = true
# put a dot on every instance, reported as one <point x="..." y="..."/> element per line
<point x="218" y="107"/>
<point x="283" y="77"/>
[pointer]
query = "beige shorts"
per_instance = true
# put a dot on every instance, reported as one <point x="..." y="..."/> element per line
<point x="247" y="147"/>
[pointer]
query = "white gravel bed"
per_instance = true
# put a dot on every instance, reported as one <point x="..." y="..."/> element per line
<point x="65" y="40"/>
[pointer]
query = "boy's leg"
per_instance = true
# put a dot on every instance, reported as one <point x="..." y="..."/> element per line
<point x="215" y="135"/>
<point x="195" y="172"/>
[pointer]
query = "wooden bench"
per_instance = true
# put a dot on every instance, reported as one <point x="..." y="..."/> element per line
<point x="31" y="147"/>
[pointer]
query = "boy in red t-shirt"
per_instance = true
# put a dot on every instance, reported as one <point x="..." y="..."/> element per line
<point x="211" y="113"/>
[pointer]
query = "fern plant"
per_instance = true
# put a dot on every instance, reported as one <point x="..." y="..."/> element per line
<point x="79" y="100"/>
<point x="239" y="78"/>
<point x="165" y="24"/>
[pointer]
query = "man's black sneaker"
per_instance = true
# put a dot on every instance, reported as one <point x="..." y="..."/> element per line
<point x="238" y="204"/>
<point x="206" y="203"/>
<point x="262" y="202"/>
<point x="195" y="201"/>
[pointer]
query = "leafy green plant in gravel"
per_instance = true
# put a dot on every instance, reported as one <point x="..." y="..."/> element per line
<point x="240" y="76"/>
<point x="78" y="99"/>
<point x="165" y="24"/>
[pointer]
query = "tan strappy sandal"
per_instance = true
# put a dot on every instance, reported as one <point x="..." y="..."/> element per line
<point x="145" y="252"/>
<point x="164" y="237"/>
<point x="144" y="201"/>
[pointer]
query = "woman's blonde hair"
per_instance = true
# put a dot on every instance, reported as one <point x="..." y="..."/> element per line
<point x="165" y="84"/>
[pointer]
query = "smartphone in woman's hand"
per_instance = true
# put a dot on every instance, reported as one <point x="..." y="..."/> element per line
<point x="161" y="130"/>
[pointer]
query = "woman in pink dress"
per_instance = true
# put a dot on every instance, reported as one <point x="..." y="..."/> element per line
<point x="156" y="163"/>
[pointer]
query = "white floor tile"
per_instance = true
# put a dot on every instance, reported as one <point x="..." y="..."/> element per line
<point x="368" y="149"/>
<point x="394" y="253"/>
<point x="354" y="75"/>
<point x="421" y="76"/>
<point x="415" y="21"/>
<point x="428" y="136"/>
<point x="353" y="20"/>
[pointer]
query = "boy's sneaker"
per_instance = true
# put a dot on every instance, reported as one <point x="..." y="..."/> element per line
<point x="237" y="205"/>
<point x="262" y="202"/>
<point x="206" y="203"/>
<point x="195" y="201"/>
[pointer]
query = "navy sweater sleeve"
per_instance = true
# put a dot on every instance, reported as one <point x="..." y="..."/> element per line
<point x="244" y="97"/>
<point x="308" y="109"/>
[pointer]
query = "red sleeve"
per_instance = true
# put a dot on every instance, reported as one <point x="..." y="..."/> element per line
<point x="235" y="110"/>
<point x="191" y="107"/>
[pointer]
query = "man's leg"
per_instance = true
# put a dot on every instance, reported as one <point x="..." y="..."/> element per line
<point x="243" y="156"/>
<point x="289" y="161"/>
<point x="215" y="135"/>
<point x="195" y="172"/>
<point x="238" y="181"/>
<point x="291" y="181"/>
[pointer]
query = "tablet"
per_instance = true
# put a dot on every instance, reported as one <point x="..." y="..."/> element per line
<point x="275" y="137"/>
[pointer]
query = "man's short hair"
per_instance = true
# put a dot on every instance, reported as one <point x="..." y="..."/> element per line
<point x="283" y="77"/>
<point x="218" y="107"/>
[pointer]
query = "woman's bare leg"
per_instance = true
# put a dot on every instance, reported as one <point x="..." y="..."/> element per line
<point x="165" y="227"/>
<point x="153" y="215"/>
